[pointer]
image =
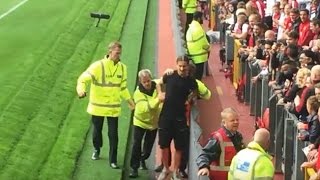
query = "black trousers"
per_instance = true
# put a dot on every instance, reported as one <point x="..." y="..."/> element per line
<point x="180" y="4"/>
<point x="149" y="137"/>
<point x="199" y="71"/>
<point x="97" y="140"/>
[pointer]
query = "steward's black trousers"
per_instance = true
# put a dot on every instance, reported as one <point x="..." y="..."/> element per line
<point x="149" y="138"/>
<point x="97" y="140"/>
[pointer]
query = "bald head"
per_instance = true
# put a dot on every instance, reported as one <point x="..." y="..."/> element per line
<point x="262" y="137"/>
<point x="270" y="35"/>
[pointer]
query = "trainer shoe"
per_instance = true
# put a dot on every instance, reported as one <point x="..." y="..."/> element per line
<point x="114" y="166"/>
<point x="143" y="165"/>
<point x="176" y="176"/>
<point x="159" y="168"/>
<point x="183" y="174"/>
<point x="165" y="175"/>
<point x="133" y="173"/>
<point x="95" y="154"/>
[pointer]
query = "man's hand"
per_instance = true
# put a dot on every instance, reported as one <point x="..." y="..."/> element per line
<point x="313" y="154"/>
<point x="169" y="71"/>
<point x="203" y="172"/>
<point x="254" y="79"/>
<point x="296" y="100"/>
<point x="161" y="97"/>
<point x="306" y="165"/>
<point x="82" y="94"/>
<point x="314" y="177"/>
<point x="131" y="104"/>
<point x="305" y="47"/>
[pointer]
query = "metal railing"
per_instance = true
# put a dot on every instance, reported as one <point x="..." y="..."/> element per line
<point x="195" y="148"/>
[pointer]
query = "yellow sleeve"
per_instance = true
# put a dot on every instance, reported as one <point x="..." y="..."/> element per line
<point x="140" y="101"/>
<point x="264" y="168"/>
<point x="124" y="93"/>
<point x="184" y="3"/>
<point x="230" y="173"/>
<point x="87" y="76"/>
<point x="204" y="92"/>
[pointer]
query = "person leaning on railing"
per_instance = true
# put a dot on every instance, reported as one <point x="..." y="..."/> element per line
<point x="310" y="130"/>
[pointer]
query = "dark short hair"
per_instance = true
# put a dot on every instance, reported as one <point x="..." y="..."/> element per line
<point x="305" y="10"/>
<point x="294" y="51"/>
<point x="269" y="42"/>
<point x="183" y="58"/>
<point x="197" y="15"/>
<point x="294" y="10"/>
<point x="315" y="22"/>
<point x="293" y="34"/>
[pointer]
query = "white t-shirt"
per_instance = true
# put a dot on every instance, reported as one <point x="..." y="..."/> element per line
<point x="280" y="29"/>
<point x="242" y="29"/>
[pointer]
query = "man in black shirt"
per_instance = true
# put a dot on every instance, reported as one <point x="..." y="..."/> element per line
<point x="180" y="87"/>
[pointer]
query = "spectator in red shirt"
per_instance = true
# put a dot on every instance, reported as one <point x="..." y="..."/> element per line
<point x="260" y="6"/>
<point x="305" y="34"/>
<point x="275" y="17"/>
<point x="253" y="19"/>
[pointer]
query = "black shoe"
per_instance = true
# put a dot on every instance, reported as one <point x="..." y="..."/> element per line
<point x="143" y="165"/>
<point x="183" y="174"/>
<point x="133" y="173"/>
<point x="95" y="154"/>
<point x="114" y="166"/>
<point x="159" y="168"/>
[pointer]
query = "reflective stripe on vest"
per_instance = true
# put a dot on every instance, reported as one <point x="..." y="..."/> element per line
<point x="103" y="78"/>
<point x="195" y="40"/>
<point x="223" y="145"/>
<point x="105" y="84"/>
<point x="143" y="100"/>
<point x="106" y="105"/>
<point x="199" y="54"/>
<point x="190" y="7"/>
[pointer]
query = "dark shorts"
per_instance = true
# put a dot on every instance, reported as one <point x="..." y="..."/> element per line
<point x="176" y="130"/>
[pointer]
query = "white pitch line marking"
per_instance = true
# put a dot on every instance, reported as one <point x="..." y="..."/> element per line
<point x="12" y="9"/>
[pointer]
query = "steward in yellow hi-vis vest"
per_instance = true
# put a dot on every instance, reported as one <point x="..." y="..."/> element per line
<point x="197" y="44"/>
<point x="145" y="121"/>
<point x="189" y="6"/>
<point x="253" y="162"/>
<point x="107" y="79"/>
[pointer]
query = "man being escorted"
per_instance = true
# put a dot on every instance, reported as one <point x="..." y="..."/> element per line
<point x="216" y="156"/>
<point x="253" y="162"/>
<point x="180" y="87"/>
<point x="107" y="79"/>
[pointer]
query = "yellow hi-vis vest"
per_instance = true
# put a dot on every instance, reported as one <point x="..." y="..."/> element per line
<point x="203" y="91"/>
<point x="197" y="43"/>
<point x="189" y="6"/>
<point x="108" y="86"/>
<point x="147" y="110"/>
<point x="252" y="163"/>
